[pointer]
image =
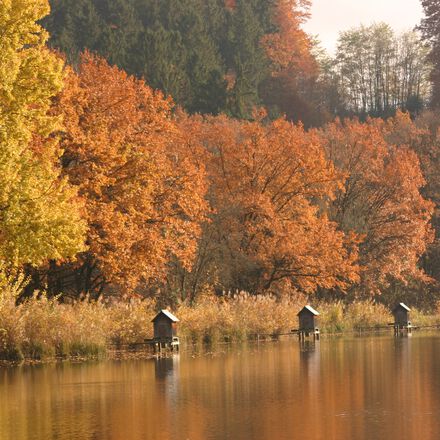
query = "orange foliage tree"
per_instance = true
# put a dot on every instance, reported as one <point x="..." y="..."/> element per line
<point x="269" y="185"/>
<point x="423" y="137"/>
<point x="290" y="46"/>
<point x="381" y="200"/>
<point x="143" y="191"/>
<point x="294" y="68"/>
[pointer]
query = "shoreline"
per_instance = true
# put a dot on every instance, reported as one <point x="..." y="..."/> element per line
<point x="143" y="353"/>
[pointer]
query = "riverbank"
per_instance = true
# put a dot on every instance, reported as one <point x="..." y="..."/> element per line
<point x="42" y="329"/>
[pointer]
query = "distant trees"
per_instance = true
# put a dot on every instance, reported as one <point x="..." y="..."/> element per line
<point x="430" y="28"/>
<point x="377" y="72"/>
<point x="211" y="56"/>
<point x="230" y="56"/>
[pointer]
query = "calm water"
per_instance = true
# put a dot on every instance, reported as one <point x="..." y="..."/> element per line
<point x="351" y="388"/>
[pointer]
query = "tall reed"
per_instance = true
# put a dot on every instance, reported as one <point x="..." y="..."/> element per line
<point x="42" y="327"/>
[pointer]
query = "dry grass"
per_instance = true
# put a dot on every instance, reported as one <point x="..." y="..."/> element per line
<point x="42" y="328"/>
<point x="237" y="317"/>
<point x="337" y="317"/>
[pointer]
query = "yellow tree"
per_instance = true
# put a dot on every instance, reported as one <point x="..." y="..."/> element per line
<point x="39" y="215"/>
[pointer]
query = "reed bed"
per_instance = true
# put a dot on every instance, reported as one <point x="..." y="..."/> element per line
<point x="41" y="328"/>
<point x="238" y="317"/>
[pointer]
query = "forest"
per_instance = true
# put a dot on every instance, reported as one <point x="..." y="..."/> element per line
<point x="185" y="148"/>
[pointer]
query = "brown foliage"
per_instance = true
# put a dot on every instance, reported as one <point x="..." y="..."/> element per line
<point x="423" y="137"/>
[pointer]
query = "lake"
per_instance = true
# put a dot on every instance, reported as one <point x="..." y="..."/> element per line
<point x="354" y="388"/>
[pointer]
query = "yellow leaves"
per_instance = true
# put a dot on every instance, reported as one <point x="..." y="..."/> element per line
<point x="19" y="36"/>
<point x="39" y="215"/>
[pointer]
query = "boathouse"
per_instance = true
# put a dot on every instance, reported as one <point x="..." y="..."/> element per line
<point x="401" y="315"/>
<point x="165" y="325"/>
<point x="308" y="319"/>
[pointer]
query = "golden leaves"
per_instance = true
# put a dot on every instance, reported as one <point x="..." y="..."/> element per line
<point x="39" y="213"/>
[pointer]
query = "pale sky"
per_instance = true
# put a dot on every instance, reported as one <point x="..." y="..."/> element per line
<point x="329" y="17"/>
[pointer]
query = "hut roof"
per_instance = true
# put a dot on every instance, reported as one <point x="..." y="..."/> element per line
<point x="403" y="306"/>
<point x="310" y="309"/>
<point x="168" y="314"/>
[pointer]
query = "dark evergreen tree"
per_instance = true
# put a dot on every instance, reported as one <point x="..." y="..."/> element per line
<point x="206" y="54"/>
<point x="107" y="27"/>
<point x="178" y="55"/>
<point x="247" y="63"/>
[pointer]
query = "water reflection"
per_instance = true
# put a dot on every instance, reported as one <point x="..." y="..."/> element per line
<point x="164" y="366"/>
<point x="357" y="388"/>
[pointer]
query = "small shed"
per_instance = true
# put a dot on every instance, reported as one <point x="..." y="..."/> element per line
<point x="401" y="315"/>
<point x="308" y="319"/>
<point x="165" y="325"/>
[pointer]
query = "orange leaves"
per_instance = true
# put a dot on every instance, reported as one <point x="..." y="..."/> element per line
<point x="381" y="200"/>
<point x="267" y="186"/>
<point x="285" y="209"/>
<point x="144" y="193"/>
<point x="290" y="46"/>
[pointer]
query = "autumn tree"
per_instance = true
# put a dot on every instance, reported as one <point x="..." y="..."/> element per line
<point x="294" y="70"/>
<point x="144" y="193"/>
<point x="40" y="215"/>
<point x="430" y="28"/>
<point x="269" y="232"/>
<point x="381" y="201"/>
<point x="423" y="137"/>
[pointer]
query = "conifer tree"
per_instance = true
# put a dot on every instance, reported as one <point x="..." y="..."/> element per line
<point x="211" y="56"/>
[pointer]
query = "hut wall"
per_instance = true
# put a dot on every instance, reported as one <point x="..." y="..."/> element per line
<point x="307" y="321"/>
<point x="401" y="317"/>
<point x="163" y="328"/>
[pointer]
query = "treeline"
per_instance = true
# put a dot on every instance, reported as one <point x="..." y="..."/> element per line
<point x="430" y="28"/>
<point x="376" y="72"/>
<point x="215" y="56"/>
<point x="107" y="187"/>
<point x="228" y="56"/>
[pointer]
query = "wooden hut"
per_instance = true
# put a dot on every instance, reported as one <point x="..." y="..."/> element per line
<point x="165" y="326"/>
<point x="308" y="318"/>
<point x="401" y="315"/>
<point x="308" y="321"/>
